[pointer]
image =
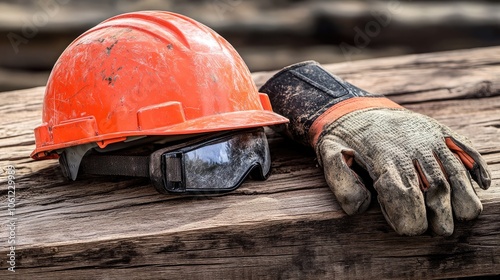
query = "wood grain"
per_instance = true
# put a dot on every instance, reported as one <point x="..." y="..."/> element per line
<point x="288" y="227"/>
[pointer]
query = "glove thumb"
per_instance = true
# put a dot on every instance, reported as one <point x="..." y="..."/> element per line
<point x="346" y="184"/>
<point x="472" y="160"/>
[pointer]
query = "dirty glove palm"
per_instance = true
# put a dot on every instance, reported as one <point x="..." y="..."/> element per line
<point x="420" y="169"/>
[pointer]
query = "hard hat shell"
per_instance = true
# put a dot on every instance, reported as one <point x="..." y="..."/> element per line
<point x="147" y="73"/>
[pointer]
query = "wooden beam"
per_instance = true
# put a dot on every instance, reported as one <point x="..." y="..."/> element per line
<point x="289" y="226"/>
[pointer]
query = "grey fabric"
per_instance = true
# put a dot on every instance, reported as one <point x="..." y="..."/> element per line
<point x="393" y="145"/>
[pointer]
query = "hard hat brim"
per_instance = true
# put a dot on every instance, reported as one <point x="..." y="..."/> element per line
<point x="212" y="123"/>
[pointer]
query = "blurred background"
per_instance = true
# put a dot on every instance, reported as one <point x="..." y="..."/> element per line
<point x="267" y="34"/>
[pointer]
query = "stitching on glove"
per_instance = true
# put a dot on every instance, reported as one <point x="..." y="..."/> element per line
<point x="441" y="165"/>
<point x="422" y="179"/>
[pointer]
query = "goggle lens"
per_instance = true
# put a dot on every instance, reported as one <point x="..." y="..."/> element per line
<point x="218" y="165"/>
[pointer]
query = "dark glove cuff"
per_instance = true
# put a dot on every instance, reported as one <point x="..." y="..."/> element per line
<point x="304" y="91"/>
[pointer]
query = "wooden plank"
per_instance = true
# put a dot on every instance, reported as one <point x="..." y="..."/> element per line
<point x="289" y="226"/>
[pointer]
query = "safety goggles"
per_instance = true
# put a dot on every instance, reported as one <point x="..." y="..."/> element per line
<point x="217" y="164"/>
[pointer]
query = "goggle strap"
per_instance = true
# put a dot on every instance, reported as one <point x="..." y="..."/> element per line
<point x="115" y="165"/>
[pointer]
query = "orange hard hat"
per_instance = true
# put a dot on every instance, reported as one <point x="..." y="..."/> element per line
<point x="144" y="74"/>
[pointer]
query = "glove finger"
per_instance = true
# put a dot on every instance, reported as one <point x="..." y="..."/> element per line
<point x="401" y="199"/>
<point x="472" y="160"/>
<point x="347" y="186"/>
<point x="464" y="200"/>
<point x="437" y="194"/>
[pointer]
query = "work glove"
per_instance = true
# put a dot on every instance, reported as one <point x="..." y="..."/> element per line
<point x="420" y="169"/>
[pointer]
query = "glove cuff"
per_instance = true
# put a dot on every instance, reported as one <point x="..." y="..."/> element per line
<point x="340" y="109"/>
<point x="310" y="97"/>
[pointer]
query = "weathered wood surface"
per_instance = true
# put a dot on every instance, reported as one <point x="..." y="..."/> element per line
<point x="289" y="227"/>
